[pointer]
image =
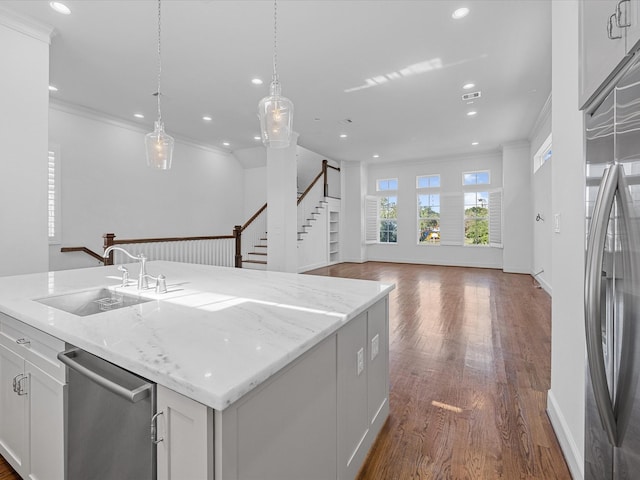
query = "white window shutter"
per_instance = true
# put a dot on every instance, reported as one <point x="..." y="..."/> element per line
<point x="495" y="218"/>
<point x="372" y="229"/>
<point x="451" y="219"/>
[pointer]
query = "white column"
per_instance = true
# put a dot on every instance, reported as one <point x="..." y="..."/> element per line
<point x="282" y="218"/>
<point x="24" y="133"/>
<point x="516" y="207"/>
<point x="354" y="189"/>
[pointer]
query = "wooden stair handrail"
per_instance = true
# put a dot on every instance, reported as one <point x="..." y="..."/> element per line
<point x="169" y="239"/>
<point x="85" y="250"/>
<point x="255" y="215"/>
<point x="110" y="238"/>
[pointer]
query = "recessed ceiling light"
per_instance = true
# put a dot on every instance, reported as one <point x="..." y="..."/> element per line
<point x="257" y="137"/>
<point x="376" y="156"/>
<point x="474" y="143"/>
<point x="468" y="86"/>
<point x="226" y="144"/>
<point x="60" y="8"/>
<point x="52" y="88"/>
<point x="471" y="113"/>
<point x="460" y="13"/>
<point x="207" y="118"/>
<point x="256" y="81"/>
<point x="343" y="135"/>
<point x="138" y="115"/>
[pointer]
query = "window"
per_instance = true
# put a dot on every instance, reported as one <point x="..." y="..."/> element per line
<point x="428" y="181"/>
<point x="388" y="210"/>
<point x="387" y="184"/>
<point x="53" y="194"/>
<point x="428" y="209"/>
<point x="476" y="178"/>
<point x="476" y="218"/>
<point x="543" y="154"/>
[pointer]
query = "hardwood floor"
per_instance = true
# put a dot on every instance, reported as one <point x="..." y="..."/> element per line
<point x="469" y="370"/>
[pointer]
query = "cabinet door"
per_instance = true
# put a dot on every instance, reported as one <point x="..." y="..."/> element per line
<point x="186" y="430"/>
<point x="353" y="415"/>
<point x="600" y="56"/>
<point x="46" y="425"/>
<point x="13" y="425"/>
<point x="378" y="358"/>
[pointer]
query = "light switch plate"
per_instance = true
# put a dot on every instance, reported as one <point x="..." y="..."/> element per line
<point x="375" y="346"/>
<point x="360" y="361"/>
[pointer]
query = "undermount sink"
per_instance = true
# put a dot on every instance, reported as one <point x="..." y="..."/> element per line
<point x="91" y="302"/>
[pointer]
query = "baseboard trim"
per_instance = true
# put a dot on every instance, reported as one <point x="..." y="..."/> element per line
<point x="567" y="443"/>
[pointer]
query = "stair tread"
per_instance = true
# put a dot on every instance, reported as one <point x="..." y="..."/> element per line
<point x="262" y="262"/>
<point x="257" y="253"/>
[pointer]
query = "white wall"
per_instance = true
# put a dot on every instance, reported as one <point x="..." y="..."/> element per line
<point x="566" y="397"/>
<point x="516" y="206"/>
<point x="407" y="250"/>
<point x="107" y="187"/>
<point x="541" y="196"/>
<point x="24" y="96"/>
<point x="255" y="191"/>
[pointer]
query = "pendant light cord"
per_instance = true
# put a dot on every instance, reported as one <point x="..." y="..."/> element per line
<point x="159" y="58"/>
<point x="275" y="40"/>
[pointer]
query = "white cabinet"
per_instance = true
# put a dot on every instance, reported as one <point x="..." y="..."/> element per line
<point x="185" y="437"/>
<point x="32" y="391"/>
<point x="317" y="418"/>
<point x="609" y="33"/>
<point x="13" y="410"/>
<point x="363" y="386"/>
<point x="353" y="421"/>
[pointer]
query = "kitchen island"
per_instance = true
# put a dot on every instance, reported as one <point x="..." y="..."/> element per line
<point x="289" y="372"/>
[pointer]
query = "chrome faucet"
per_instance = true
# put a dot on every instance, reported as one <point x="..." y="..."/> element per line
<point x="143" y="278"/>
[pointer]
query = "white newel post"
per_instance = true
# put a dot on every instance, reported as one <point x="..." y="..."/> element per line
<point x="282" y="219"/>
<point x="24" y="131"/>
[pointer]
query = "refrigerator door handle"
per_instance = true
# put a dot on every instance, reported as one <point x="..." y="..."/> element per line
<point x="592" y="288"/>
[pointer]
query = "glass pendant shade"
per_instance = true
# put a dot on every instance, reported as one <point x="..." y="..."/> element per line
<point x="159" y="147"/>
<point x="276" y="118"/>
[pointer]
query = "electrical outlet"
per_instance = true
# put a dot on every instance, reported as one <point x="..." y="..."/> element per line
<point x="375" y="346"/>
<point x="360" y="361"/>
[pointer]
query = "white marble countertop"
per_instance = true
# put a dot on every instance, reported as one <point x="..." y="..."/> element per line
<point x="215" y="335"/>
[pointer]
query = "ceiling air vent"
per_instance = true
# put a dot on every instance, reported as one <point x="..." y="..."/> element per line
<point x="346" y="121"/>
<point x="471" y="96"/>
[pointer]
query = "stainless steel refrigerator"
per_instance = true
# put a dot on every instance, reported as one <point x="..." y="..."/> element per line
<point x="612" y="282"/>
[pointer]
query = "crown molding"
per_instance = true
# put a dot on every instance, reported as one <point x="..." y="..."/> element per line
<point x="26" y="25"/>
<point x="92" y="114"/>
<point x="545" y="113"/>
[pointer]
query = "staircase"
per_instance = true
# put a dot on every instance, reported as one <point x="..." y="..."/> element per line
<point x="257" y="258"/>
<point x="310" y="221"/>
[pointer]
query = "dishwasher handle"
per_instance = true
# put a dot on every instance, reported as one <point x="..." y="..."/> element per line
<point x="67" y="357"/>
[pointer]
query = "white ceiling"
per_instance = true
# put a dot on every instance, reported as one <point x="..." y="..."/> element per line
<point x="103" y="57"/>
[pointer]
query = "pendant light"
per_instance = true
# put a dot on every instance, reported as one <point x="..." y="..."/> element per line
<point x="158" y="144"/>
<point x="275" y="111"/>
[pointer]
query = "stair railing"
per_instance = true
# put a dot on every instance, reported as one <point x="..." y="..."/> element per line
<point x="223" y="250"/>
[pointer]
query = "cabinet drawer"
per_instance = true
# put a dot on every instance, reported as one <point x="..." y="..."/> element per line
<point x="39" y="348"/>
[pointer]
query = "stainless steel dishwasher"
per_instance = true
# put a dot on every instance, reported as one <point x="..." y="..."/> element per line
<point x="108" y="416"/>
